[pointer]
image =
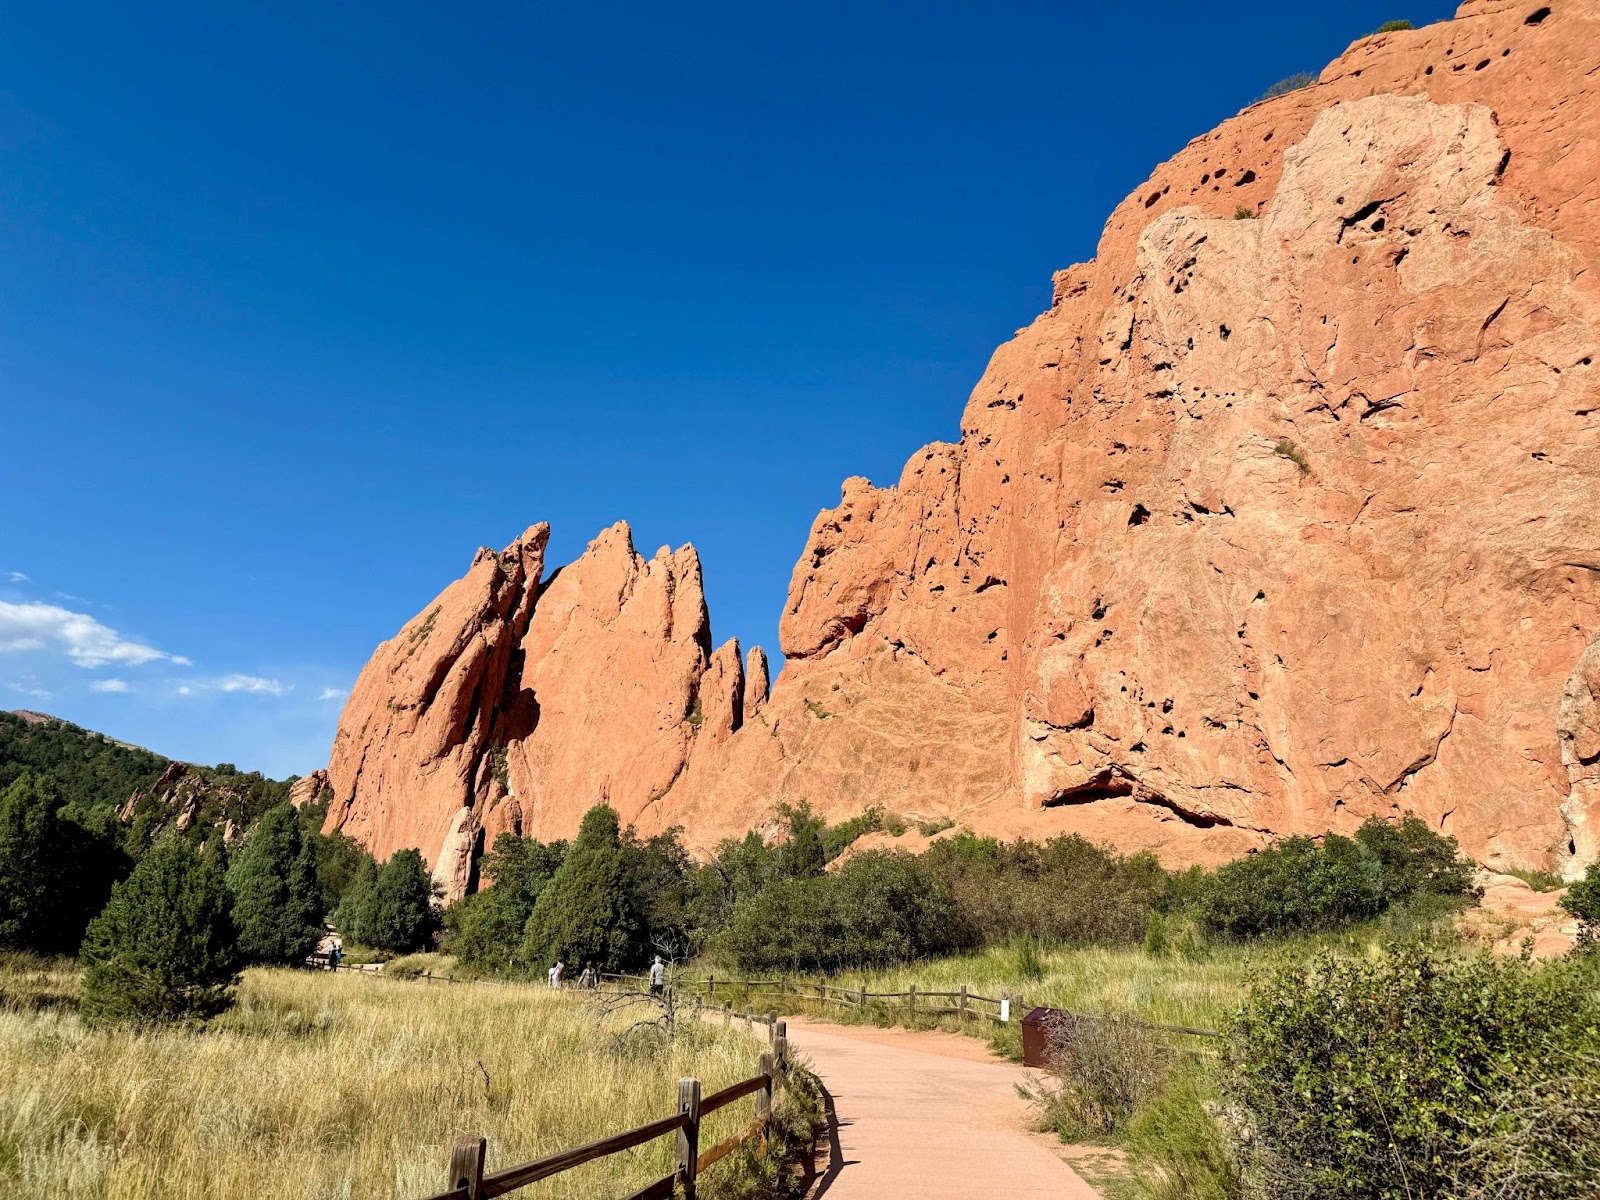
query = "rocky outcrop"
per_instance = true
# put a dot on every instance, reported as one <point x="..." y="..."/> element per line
<point x="309" y="789"/>
<point x="514" y="703"/>
<point x="1279" y="518"/>
<point x="187" y="796"/>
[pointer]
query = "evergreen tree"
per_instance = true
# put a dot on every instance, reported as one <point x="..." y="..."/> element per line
<point x="354" y="917"/>
<point x="54" y="874"/>
<point x="277" y="903"/>
<point x="489" y="924"/>
<point x="164" y="948"/>
<point x="400" y="917"/>
<point x="592" y="910"/>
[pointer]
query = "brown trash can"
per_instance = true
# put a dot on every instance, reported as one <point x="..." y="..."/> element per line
<point x="1036" y="1037"/>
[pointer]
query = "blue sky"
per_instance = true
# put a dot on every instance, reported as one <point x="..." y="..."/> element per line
<point x="300" y="305"/>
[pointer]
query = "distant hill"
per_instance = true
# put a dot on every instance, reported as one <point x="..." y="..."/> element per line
<point x="102" y="779"/>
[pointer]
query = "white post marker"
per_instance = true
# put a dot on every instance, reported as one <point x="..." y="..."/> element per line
<point x="1005" y="1010"/>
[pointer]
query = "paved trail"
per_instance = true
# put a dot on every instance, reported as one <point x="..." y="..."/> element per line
<point x="928" y="1115"/>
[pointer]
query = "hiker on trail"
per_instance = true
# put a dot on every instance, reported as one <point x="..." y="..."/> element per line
<point x="335" y="953"/>
<point x="556" y="972"/>
<point x="587" y="979"/>
<point x="658" y="977"/>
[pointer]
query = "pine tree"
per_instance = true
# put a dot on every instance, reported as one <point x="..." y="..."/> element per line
<point x="54" y="874"/>
<point x="592" y="910"/>
<point x="354" y="918"/>
<point x="164" y="949"/>
<point x="401" y="917"/>
<point x="277" y="903"/>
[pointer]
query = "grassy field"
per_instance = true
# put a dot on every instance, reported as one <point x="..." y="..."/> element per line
<point x="1202" y="986"/>
<point x="321" y="1086"/>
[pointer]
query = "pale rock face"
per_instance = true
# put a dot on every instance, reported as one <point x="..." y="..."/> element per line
<point x="308" y="788"/>
<point x="756" y="683"/>
<point x="1267" y="526"/>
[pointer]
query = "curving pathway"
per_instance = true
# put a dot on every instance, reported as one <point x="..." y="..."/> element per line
<point x="929" y="1115"/>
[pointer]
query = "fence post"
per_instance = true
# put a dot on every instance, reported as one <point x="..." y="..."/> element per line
<point x="963" y="999"/>
<point x="711" y="986"/>
<point x="772" y="1029"/>
<point x="689" y="1136"/>
<point x="727" y="1011"/>
<point x="764" y="1101"/>
<point x="466" y="1167"/>
<point x="862" y="1002"/>
<point x="750" y="1016"/>
<point x="780" y="1050"/>
<point x="911" y="999"/>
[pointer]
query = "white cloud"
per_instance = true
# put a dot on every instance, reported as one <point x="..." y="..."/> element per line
<point x="17" y="577"/>
<point x="185" y="690"/>
<point x="28" y="685"/>
<point x="253" y="684"/>
<point x="87" y="643"/>
<point x="334" y="693"/>
<point x="109" y="685"/>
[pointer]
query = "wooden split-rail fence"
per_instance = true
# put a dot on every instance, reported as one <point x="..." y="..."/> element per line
<point x="468" y="1180"/>
<point x="913" y="1002"/>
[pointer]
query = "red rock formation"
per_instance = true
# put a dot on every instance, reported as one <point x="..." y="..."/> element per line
<point x="308" y="788"/>
<point x="1279" y="518"/>
<point x="756" y="683"/>
<point x="511" y="705"/>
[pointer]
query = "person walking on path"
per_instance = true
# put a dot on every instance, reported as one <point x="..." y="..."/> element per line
<point x="556" y="972"/>
<point x="658" y="977"/>
<point x="588" y="979"/>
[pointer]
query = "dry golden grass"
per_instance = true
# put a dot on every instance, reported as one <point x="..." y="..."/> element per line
<point x="322" y="1086"/>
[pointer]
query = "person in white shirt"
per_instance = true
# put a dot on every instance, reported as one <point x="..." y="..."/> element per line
<point x="555" y="974"/>
<point x="658" y="977"/>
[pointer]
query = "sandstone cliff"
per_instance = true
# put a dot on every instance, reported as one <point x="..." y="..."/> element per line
<point x="1280" y="517"/>
<point x="514" y="703"/>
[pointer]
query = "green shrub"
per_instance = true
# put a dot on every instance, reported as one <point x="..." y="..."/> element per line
<point x="1583" y="902"/>
<point x="1244" y="214"/>
<point x="1292" y="886"/>
<point x="1102" y="1071"/>
<point x="1415" y="859"/>
<point x="1029" y="964"/>
<point x="277" y="901"/>
<point x="1292" y="84"/>
<point x="837" y="837"/>
<point x="1384" y="1077"/>
<point x="164" y="948"/>
<point x="1284" y="448"/>
<point x="1064" y="890"/>
<point x="878" y="909"/>
<point x="1394" y="26"/>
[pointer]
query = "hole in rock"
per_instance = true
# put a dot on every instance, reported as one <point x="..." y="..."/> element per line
<point x="1536" y="16"/>
<point x="1139" y="515"/>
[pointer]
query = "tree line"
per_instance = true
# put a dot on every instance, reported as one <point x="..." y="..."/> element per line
<point x="163" y="929"/>
<point x="613" y="898"/>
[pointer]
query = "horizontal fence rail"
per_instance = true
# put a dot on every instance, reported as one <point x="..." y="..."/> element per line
<point x="467" y="1179"/>
<point x="915" y="1001"/>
